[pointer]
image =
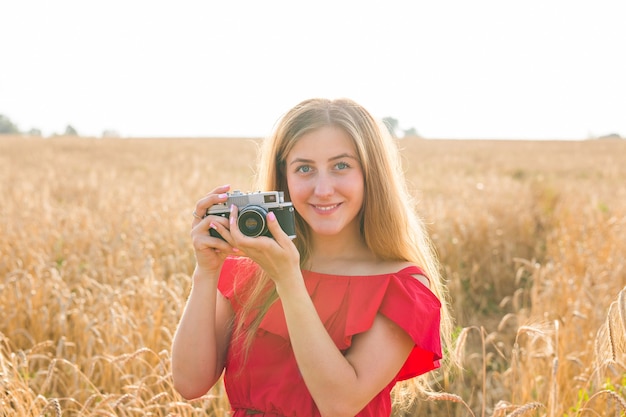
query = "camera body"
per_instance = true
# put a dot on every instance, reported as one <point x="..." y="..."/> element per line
<point x="253" y="208"/>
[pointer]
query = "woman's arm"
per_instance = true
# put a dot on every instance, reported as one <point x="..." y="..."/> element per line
<point x="201" y="340"/>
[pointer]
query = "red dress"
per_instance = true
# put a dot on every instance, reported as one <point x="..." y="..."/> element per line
<point x="270" y="382"/>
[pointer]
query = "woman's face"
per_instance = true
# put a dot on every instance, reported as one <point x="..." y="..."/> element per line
<point x="325" y="181"/>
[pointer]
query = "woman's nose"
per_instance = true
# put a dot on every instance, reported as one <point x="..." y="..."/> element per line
<point x="323" y="186"/>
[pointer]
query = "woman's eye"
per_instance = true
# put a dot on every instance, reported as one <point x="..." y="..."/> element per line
<point x="304" y="169"/>
<point x="342" y="165"/>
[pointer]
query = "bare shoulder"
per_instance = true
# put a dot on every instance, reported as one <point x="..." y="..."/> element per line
<point x="395" y="266"/>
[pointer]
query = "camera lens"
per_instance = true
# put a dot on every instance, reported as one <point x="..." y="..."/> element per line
<point x="251" y="221"/>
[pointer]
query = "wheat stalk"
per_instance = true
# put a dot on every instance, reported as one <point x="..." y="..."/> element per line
<point x="611" y="331"/>
<point x="445" y="396"/>
<point x="505" y="320"/>
<point x="459" y="349"/>
<point x="611" y="394"/>
<point x="525" y="408"/>
<point x="92" y="398"/>
<point x="121" y="400"/>
<point x="130" y="356"/>
<point x="621" y="301"/>
<point x="49" y="375"/>
<point x="555" y="367"/>
<point x="157" y="397"/>
<point x="54" y="404"/>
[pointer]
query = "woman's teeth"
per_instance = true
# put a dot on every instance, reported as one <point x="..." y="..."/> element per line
<point x="326" y="208"/>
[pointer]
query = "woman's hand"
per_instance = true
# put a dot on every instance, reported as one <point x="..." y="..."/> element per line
<point x="277" y="256"/>
<point x="211" y="251"/>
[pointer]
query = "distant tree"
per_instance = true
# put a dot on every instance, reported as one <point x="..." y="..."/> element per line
<point x="610" y="136"/>
<point x="392" y="125"/>
<point x="34" y="132"/>
<point x="7" y="126"/>
<point x="110" y="133"/>
<point x="70" y="131"/>
<point x="410" y="132"/>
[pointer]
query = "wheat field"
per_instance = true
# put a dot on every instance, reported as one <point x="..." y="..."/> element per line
<point x="95" y="265"/>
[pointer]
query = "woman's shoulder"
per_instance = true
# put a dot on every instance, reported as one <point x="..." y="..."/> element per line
<point x="403" y="267"/>
<point x="391" y="267"/>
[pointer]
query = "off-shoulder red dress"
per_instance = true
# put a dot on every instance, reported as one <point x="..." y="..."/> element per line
<point x="268" y="383"/>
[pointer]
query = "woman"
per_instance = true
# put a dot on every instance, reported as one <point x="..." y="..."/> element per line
<point x="327" y="323"/>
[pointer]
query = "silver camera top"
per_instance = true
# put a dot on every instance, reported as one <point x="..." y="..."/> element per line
<point x="266" y="199"/>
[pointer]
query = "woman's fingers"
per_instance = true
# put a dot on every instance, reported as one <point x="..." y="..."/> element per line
<point x="205" y="242"/>
<point x="216" y="196"/>
<point x="219" y="228"/>
<point x="209" y="233"/>
<point x="277" y="232"/>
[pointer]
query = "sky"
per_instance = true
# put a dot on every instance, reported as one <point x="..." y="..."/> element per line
<point x="460" y="69"/>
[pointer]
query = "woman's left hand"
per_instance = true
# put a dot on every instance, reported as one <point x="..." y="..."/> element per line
<point x="277" y="256"/>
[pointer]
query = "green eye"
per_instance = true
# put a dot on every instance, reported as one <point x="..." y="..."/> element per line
<point x="342" y="165"/>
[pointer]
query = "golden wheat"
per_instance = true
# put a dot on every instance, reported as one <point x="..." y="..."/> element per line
<point x="95" y="265"/>
<point x="520" y="411"/>
<point x="445" y="396"/>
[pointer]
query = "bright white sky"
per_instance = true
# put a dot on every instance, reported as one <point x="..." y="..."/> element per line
<point x="532" y="69"/>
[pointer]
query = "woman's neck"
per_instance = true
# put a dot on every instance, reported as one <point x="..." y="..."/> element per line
<point x="329" y="252"/>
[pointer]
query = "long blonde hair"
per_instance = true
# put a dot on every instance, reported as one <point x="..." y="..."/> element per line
<point x="389" y="224"/>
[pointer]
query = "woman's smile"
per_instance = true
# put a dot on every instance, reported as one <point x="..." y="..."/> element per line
<point x="327" y="209"/>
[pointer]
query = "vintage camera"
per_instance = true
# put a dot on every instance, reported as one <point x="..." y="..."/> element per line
<point x="253" y="207"/>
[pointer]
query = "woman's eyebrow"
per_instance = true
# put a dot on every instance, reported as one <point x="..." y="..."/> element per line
<point x="308" y="161"/>
<point x="343" y="155"/>
<point x="300" y="160"/>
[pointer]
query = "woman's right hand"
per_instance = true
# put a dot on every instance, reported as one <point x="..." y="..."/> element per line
<point x="211" y="251"/>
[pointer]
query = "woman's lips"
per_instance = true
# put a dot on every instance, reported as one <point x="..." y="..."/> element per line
<point x="325" y="208"/>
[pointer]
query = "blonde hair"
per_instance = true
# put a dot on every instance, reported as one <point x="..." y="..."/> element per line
<point x="389" y="224"/>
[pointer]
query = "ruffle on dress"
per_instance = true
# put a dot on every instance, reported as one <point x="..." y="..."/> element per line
<point x="347" y="305"/>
